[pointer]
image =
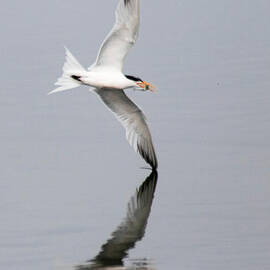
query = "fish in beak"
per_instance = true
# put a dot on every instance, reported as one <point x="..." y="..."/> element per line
<point x="146" y="86"/>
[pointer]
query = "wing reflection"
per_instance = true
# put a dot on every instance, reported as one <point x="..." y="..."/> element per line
<point x="130" y="231"/>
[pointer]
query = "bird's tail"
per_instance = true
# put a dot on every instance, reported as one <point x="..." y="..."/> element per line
<point x="72" y="71"/>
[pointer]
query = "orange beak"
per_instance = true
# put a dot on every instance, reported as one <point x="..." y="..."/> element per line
<point x="146" y="86"/>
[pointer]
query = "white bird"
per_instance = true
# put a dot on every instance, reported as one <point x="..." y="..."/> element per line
<point x="106" y="76"/>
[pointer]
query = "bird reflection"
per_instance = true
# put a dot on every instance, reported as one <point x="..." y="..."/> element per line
<point x="130" y="231"/>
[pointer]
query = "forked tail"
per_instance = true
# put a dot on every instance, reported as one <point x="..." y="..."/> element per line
<point x="72" y="71"/>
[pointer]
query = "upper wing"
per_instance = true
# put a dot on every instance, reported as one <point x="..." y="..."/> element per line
<point x="122" y="36"/>
<point x="133" y="120"/>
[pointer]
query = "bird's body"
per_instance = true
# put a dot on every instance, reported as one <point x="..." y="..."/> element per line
<point x="108" y="80"/>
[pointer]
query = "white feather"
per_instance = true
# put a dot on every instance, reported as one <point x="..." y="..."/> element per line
<point x="122" y="37"/>
<point x="133" y="120"/>
<point x="71" y="67"/>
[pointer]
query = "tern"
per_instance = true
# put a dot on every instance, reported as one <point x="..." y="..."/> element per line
<point x="107" y="80"/>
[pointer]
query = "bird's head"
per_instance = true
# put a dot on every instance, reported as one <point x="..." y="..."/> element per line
<point x="142" y="85"/>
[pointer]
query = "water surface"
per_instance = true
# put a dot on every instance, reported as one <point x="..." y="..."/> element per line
<point x="67" y="172"/>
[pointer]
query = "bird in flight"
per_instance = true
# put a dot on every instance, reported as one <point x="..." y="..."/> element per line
<point x="106" y="78"/>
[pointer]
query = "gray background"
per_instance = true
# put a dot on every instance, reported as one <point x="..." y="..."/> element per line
<point x="67" y="171"/>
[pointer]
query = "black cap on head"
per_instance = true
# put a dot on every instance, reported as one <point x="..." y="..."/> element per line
<point x="135" y="79"/>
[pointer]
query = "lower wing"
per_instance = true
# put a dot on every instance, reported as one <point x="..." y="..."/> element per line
<point x="133" y="120"/>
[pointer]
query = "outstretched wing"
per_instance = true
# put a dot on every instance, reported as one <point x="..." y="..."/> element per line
<point x="133" y="120"/>
<point x="122" y="36"/>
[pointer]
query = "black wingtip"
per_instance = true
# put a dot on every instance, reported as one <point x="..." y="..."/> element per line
<point x="126" y="2"/>
<point x="151" y="160"/>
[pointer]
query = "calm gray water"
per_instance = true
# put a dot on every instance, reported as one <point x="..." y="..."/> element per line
<point x="68" y="177"/>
